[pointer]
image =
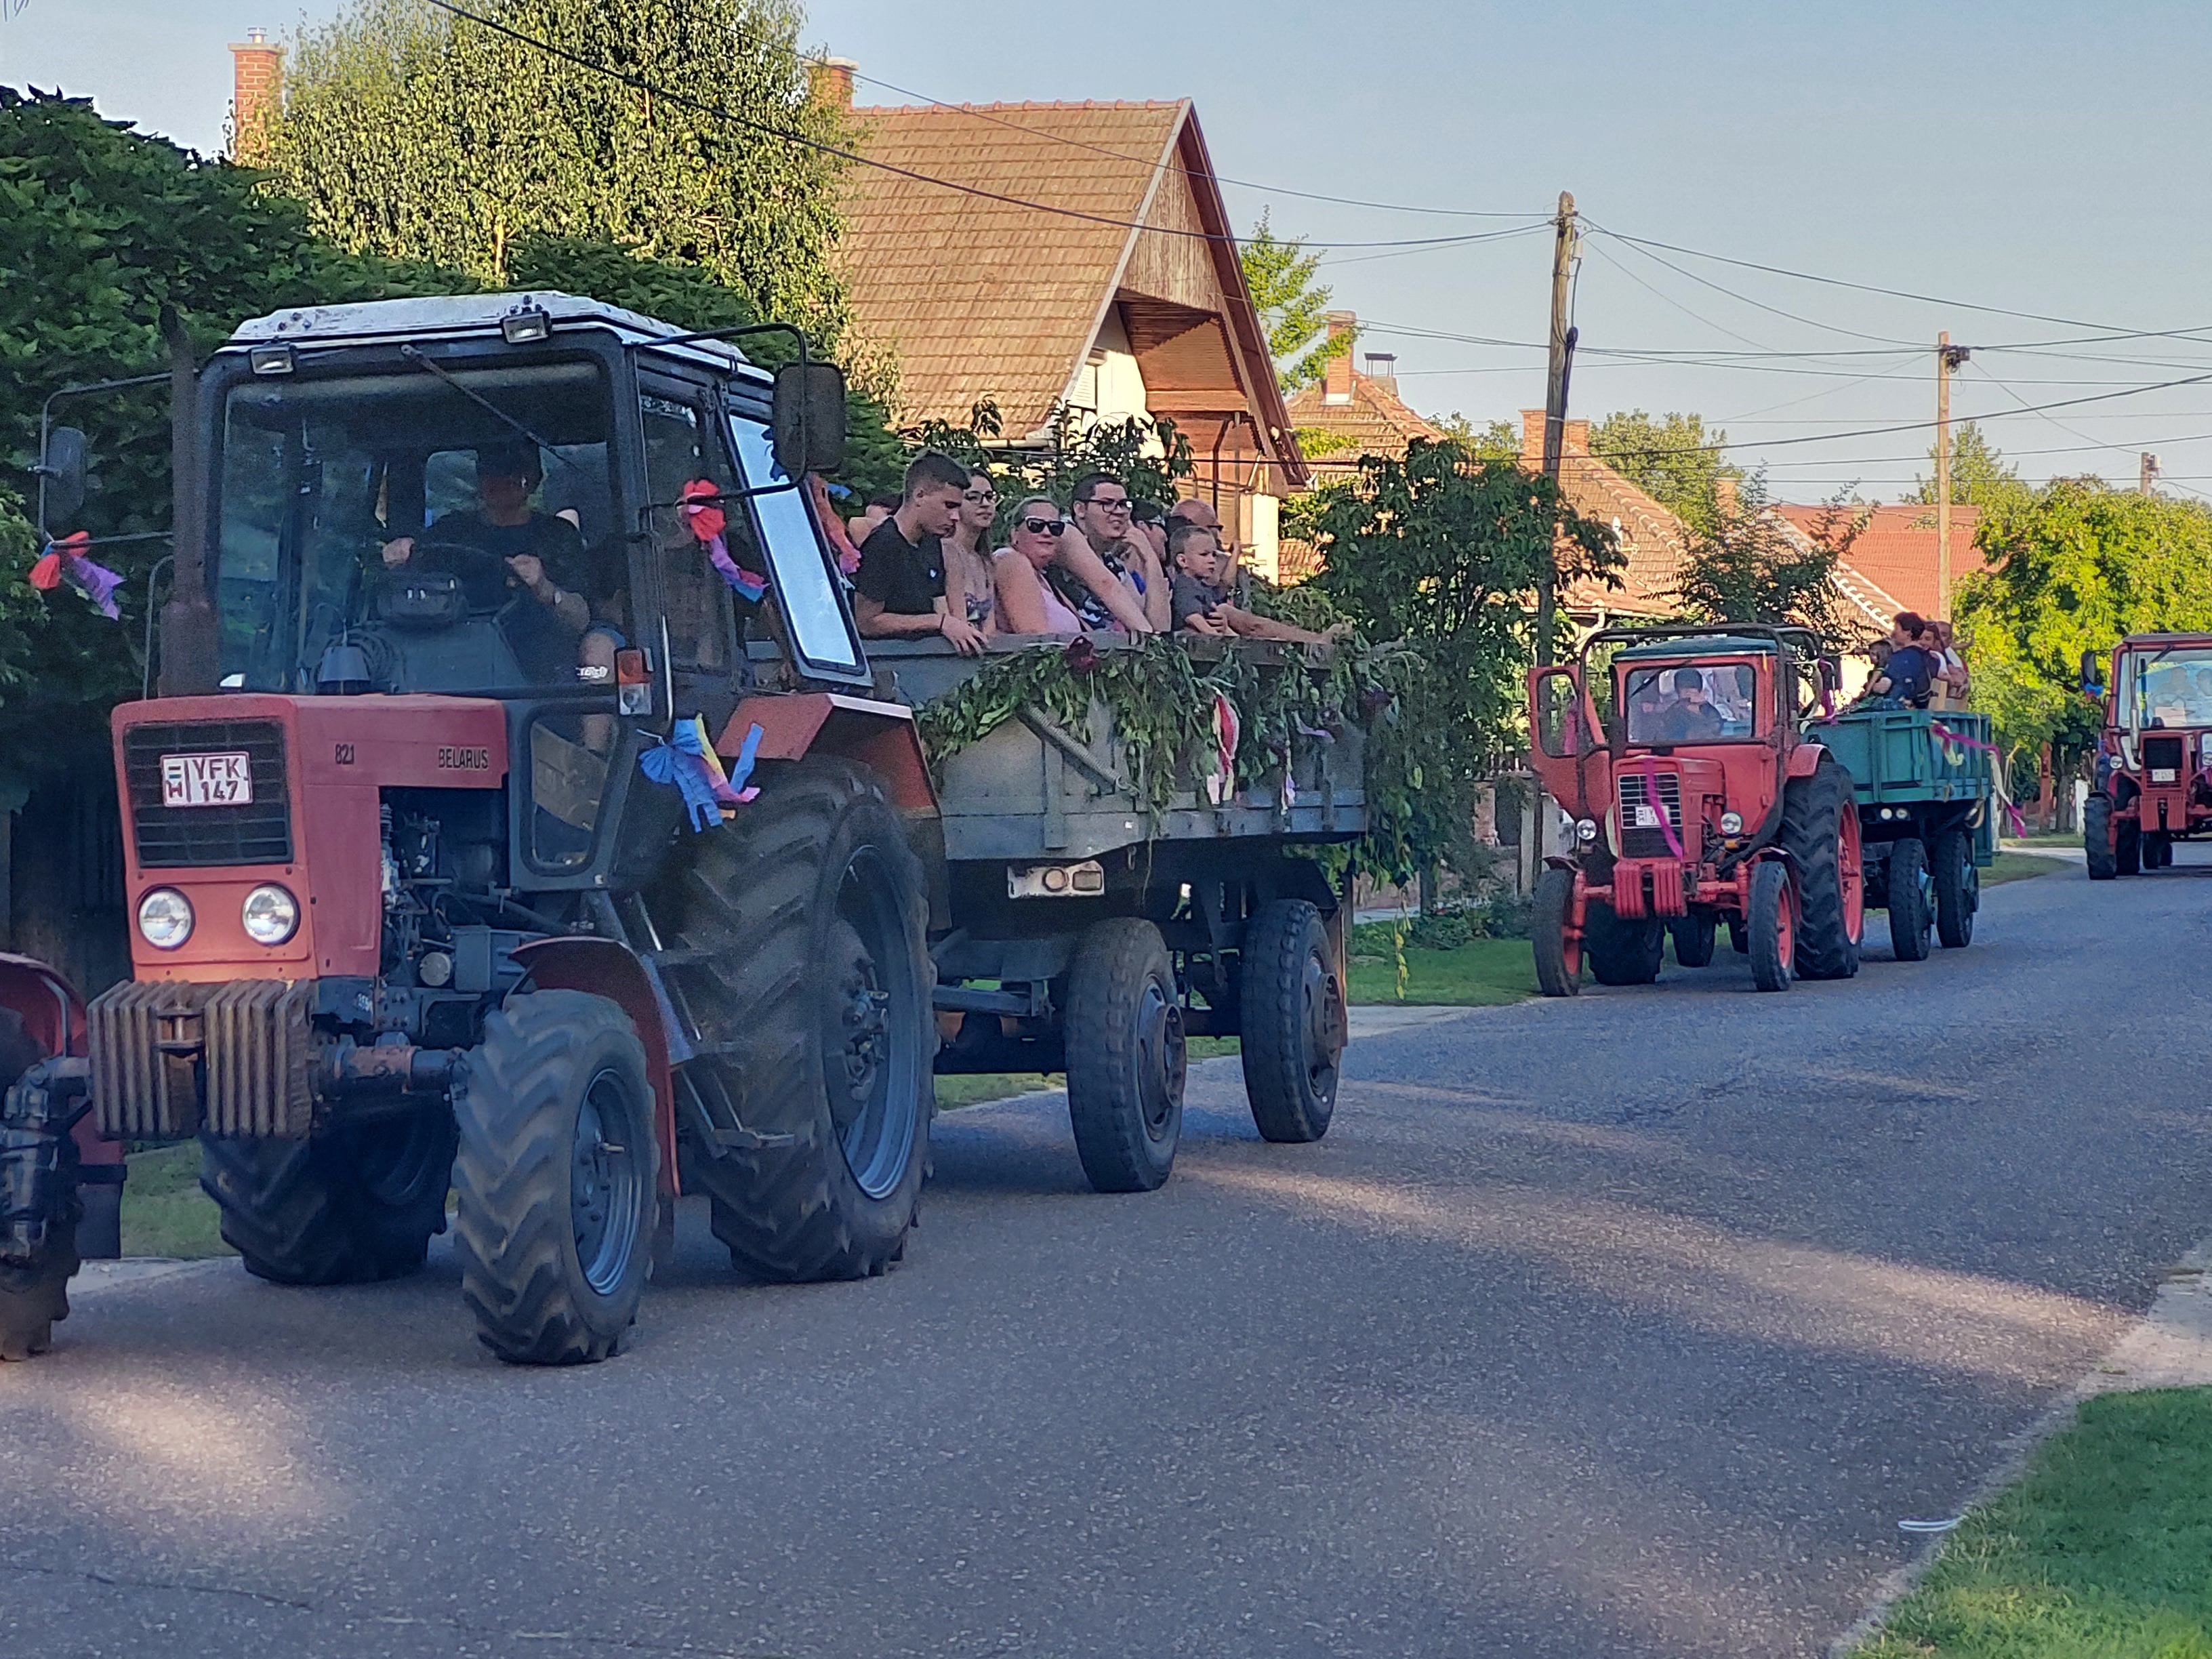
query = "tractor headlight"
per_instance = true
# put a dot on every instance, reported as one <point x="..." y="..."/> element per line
<point x="271" y="916"/>
<point x="165" y="918"/>
<point x="1731" y="823"/>
<point x="1586" y="829"/>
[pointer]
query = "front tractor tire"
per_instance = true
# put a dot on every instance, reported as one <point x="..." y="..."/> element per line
<point x="1772" y="923"/>
<point x="2097" y="837"/>
<point x="803" y="929"/>
<point x="1126" y="1061"/>
<point x="558" y="1178"/>
<point x="351" y="1208"/>
<point x="1820" y="833"/>
<point x="1621" y="952"/>
<point x="1294" y="1021"/>
<point x="1559" y="958"/>
<point x="1694" y="936"/>
<point x="2128" y="847"/>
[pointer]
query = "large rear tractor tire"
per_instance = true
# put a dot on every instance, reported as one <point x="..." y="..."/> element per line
<point x="1126" y="1061"/>
<point x="1621" y="952"/>
<point x="558" y="1178"/>
<point x="1693" y="937"/>
<point x="1773" y="927"/>
<point x="1294" y="1022"/>
<point x="1910" y="912"/>
<point x="2097" y="837"/>
<point x="2128" y="847"/>
<point x="1958" y="889"/>
<point x="804" y="924"/>
<point x="1559" y="959"/>
<point x="353" y="1207"/>
<point x="34" y="1295"/>
<point x="1820" y="831"/>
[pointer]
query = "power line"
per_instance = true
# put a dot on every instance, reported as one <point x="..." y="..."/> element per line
<point x="638" y="83"/>
<point x="1745" y="299"/>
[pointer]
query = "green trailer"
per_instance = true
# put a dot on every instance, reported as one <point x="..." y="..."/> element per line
<point x="1925" y="780"/>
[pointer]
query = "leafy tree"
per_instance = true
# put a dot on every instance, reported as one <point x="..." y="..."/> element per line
<point x="1674" y="460"/>
<point x="2073" y="567"/>
<point x="1442" y="550"/>
<point x="99" y="227"/>
<point x="1754" y="566"/>
<point x="1498" y="441"/>
<point x="1292" y="306"/>
<point x="407" y="131"/>
<point x="1980" y="474"/>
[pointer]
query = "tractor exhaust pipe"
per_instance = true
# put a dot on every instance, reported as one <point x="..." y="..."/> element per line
<point x="190" y="656"/>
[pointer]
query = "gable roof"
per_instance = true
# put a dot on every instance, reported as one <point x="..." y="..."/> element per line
<point x="1375" y="422"/>
<point x="1890" y="565"/>
<point x="996" y="298"/>
<point x="1654" y="540"/>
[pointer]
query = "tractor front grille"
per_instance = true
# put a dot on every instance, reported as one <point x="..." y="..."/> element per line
<point x="1650" y="842"/>
<point x="2164" y="755"/>
<point x="186" y="838"/>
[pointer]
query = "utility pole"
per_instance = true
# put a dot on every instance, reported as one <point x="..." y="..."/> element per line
<point x="1948" y="358"/>
<point x="2146" y="474"/>
<point x="1563" y="244"/>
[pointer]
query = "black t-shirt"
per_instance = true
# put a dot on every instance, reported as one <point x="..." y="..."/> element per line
<point x="907" y="581"/>
<point x="1683" y="723"/>
<point x="550" y="539"/>
<point x="1911" y="672"/>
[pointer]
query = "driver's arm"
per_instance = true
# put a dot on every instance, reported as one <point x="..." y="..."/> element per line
<point x="399" y="551"/>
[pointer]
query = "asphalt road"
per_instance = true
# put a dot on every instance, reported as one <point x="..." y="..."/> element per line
<point x="1626" y="1325"/>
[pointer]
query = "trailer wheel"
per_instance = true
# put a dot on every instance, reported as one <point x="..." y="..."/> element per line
<point x="34" y="1296"/>
<point x="1958" y="889"/>
<point x="1294" y="1022"/>
<point x="1693" y="937"/>
<point x="1773" y="926"/>
<point x="1821" y="832"/>
<point x="1911" y="913"/>
<point x="805" y="927"/>
<point x="1125" y="1056"/>
<point x="558" y="1178"/>
<point x="2127" y="848"/>
<point x="350" y="1208"/>
<point x="2097" y="837"/>
<point x="1621" y="952"/>
<point x="1559" y="959"/>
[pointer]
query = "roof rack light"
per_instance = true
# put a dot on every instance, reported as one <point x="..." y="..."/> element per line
<point x="270" y="359"/>
<point x="527" y="326"/>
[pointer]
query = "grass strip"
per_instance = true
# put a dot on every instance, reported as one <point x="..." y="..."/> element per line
<point x="1483" y="974"/>
<point x="2102" y="1551"/>
<point x="976" y="1087"/>
<point x="164" y="1211"/>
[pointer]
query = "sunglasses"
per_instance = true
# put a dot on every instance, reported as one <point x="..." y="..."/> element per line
<point x="1044" y="527"/>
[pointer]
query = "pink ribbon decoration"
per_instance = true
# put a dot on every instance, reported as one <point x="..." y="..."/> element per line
<point x="848" y="556"/>
<point x="64" y="561"/>
<point x="1659" y="807"/>
<point x="704" y="517"/>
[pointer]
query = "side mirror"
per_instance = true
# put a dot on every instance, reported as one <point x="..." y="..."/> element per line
<point x="808" y="419"/>
<point x="2092" y="678"/>
<point x="1557" y="713"/>
<point x="61" y="479"/>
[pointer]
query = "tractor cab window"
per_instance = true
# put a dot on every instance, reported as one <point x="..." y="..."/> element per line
<point x="394" y="532"/>
<point x="1690" y="702"/>
<point x="2168" y="688"/>
<point x="822" y="637"/>
<point x="695" y="534"/>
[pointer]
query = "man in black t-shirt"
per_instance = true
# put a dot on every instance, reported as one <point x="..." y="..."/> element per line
<point x="543" y="551"/>
<point x="899" y="593"/>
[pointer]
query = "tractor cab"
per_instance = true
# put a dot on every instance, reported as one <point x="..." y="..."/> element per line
<point x="1677" y="751"/>
<point x="2153" y="782"/>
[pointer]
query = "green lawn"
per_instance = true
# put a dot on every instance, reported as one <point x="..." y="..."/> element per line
<point x="976" y="1088"/>
<point x="2019" y="866"/>
<point x="1480" y="975"/>
<point x="2103" y="1551"/>
<point x="164" y="1211"/>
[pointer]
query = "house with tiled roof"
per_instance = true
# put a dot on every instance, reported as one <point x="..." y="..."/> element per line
<point x="1080" y="255"/>
<point x="1889" y="564"/>
<point x="1654" y="540"/>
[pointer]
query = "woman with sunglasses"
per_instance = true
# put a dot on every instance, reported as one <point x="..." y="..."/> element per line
<point x="968" y="580"/>
<point x="1027" y="603"/>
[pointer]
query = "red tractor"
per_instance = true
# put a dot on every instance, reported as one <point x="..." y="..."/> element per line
<point x="1696" y="801"/>
<point x="437" y="879"/>
<point x="2154" y="758"/>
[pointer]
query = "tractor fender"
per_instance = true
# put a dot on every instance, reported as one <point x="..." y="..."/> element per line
<point x="607" y="968"/>
<point x="878" y="735"/>
<point x="53" y="1017"/>
<point x="1804" y="758"/>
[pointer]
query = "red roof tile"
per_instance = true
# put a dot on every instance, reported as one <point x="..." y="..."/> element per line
<point x="1893" y="556"/>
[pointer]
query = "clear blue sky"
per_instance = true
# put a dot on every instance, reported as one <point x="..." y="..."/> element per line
<point x="2039" y="157"/>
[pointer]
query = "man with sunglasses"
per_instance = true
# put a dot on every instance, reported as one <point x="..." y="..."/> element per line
<point x="1102" y="511"/>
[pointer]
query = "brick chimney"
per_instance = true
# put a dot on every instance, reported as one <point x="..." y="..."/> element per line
<point x="1724" y="494"/>
<point x="257" y="95"/>
<point x="829" y="80"/>
<point x="1574" y="438"/>
<point x="1336" y="374"/>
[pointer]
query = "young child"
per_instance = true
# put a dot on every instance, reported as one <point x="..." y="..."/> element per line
<point x="1194" y="559"/>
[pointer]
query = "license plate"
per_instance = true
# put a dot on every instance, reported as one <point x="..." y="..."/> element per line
<point x="1648" y="817"/>
<point x="206" y="780"/>
<point x="2161" y="775"/>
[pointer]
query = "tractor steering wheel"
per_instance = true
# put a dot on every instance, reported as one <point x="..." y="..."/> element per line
<point x="483" y="575"/>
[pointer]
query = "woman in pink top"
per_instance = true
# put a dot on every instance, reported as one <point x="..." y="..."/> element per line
<point x="1026" y="603"/>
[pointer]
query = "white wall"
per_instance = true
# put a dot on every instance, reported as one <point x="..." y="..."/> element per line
<point x="1110" y="383"/>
